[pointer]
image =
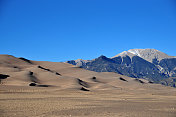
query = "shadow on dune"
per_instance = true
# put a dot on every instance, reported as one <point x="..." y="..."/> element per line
<point x="26" y="60"/>
<point x="49" y="70"/>
<point x="123" y="79"/>
<point x="83" y="83"/>
<point x="38" y="85"/>
<point x="84" y="89"/>
<point x="140" y="81"/>
<point x="96" y="80"/>
<point x="32" y="77"/>
<point x="44" y="86"/>
<point x="2" y="76"/>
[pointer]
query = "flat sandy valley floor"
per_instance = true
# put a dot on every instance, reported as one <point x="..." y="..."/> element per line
<point x="50" y="102"/>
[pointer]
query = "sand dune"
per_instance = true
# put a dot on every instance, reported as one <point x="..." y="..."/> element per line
<point x="62" y="89"/>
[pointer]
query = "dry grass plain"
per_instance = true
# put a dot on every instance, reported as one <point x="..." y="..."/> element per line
<point x="108" y="95"/>
<point x="51" y="102"/>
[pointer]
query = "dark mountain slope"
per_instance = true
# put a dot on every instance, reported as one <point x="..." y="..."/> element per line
<point x="135" y="67"/>
<point x="102" y="64"/>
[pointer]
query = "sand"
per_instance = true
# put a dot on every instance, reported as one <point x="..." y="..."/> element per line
<point x="58" y="92"/>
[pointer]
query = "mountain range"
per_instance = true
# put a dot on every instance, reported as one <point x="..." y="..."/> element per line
<point x="150" y="64"/>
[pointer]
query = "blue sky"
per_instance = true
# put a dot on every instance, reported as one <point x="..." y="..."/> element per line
<point x="60" y="30"/>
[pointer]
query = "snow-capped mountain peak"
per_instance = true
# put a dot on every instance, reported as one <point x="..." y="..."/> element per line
<point x="147" y="54"/>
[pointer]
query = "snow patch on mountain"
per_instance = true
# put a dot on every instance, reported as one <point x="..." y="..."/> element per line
<point x="135" y="52"/>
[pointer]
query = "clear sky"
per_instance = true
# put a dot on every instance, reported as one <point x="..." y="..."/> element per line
<point x="60" y="30"/>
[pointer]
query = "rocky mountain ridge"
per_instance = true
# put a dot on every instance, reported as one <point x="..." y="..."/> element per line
<point x="149" y="64"/>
